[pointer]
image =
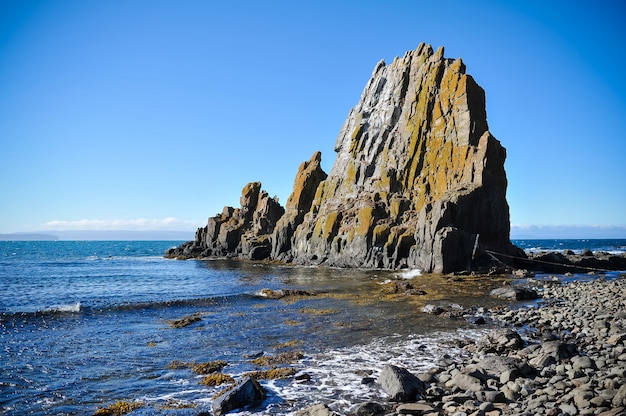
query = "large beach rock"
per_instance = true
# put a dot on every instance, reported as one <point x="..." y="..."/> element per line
<point x="248" y="392"/>
<point x="418" y="182"/>
<point x="400" y="384"/>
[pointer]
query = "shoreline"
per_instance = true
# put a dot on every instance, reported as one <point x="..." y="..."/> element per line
<point x="563" y="356"/>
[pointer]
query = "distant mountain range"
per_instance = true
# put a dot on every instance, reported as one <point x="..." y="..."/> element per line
<point x="28" y="237"/>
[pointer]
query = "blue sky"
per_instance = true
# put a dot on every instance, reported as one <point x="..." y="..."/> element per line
<point x="152" y="115"/>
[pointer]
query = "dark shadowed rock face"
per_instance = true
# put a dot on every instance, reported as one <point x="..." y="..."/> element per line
<point x="417" y="181"/>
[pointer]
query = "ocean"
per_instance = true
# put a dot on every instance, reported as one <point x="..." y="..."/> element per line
<point x="86" y="324"/>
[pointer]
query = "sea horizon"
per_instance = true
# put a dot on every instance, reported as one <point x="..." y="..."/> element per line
<point x="518" y="232"/>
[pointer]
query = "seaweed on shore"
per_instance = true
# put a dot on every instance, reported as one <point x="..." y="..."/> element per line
<point x="199" y="368"/>
<point x="273" y="373"/>
<point x="313" y="311"/>
<point x="287" y="357"/>
<point x="118" y="409"/>
<point x="184" y="321"/>
<point x="216" y="379"/>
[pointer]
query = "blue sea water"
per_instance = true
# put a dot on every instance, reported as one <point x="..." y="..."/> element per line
<point x="615" y="246"/>
<point x="84" y="324"/>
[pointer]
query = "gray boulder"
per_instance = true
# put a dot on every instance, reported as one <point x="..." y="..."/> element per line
<point x="497" y="365"/>
<point x="514" y="293"/>
<point x="248" y="392"/>
<point x="400" y="384"/>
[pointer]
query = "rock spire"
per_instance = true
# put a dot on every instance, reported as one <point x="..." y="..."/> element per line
<point x="418" y="182"/>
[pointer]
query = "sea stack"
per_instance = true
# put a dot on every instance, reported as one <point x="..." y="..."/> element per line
<point x="418" y="182"/>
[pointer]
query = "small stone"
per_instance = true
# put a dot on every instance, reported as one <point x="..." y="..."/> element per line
<point x="464" y="382"/>
<point x="486" y="407"/>
<point x="412" y="408"/>
<point x="569" y="409"/>
<point x="582" y="362"/>
<point x="491" y="396"/>
<point x="620" y="397"/>
<point x="370" y="409"/>
<point x="617" y="339"/>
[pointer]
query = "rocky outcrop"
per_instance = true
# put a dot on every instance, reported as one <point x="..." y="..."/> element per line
<point x="308" y="179"/>
<point x="418" y="177"/>
<point x="418" y="182"/>
<point x="243" y="232"/>
<point x="569" y="261"/>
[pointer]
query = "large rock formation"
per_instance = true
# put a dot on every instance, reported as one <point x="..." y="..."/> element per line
<point x="418" y="182"/>
<point x="242" y="232"/>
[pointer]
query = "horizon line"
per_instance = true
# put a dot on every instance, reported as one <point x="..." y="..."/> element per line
<point x="517" y="232"/>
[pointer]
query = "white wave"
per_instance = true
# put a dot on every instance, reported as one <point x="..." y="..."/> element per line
<point x="175" y="395"/>
<point x="337" y="375"/>
<point x="410" y="274"/>
<point x="71" y="308"/>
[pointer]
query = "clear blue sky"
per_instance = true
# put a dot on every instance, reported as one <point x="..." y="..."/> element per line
<point x="154" y="114"/>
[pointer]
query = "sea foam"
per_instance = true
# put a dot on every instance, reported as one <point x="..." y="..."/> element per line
<point x="71" y="308"/>
<point x="410" y="274"/>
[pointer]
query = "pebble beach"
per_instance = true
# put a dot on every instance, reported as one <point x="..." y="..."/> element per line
<point x="563" y="355"/>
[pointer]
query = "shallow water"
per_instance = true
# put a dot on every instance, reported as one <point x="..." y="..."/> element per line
<point x="84" y="325"/>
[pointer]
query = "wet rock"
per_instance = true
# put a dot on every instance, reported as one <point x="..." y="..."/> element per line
<point x="477" y="320"/>
<point x="247" y="392"/>
<point x="400" y="384"/>
<point x="370" y="409"/>
<point x="401" y="286"/>
<point x="282" y="293"/>
<point x="433" y="309"/>
<point x="184" y="321"/>
<point x="514" y="293"/>
<point x="316" y="410"/>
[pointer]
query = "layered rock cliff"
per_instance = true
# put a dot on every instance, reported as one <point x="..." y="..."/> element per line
<point x="418" y="182"/>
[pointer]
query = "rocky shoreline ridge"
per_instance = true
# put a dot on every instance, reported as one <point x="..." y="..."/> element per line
<point x="565" y="356"/>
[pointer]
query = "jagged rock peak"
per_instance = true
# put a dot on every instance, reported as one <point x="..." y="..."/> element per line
<point x="418" y="182"/>
<point x="417" y="177"/>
